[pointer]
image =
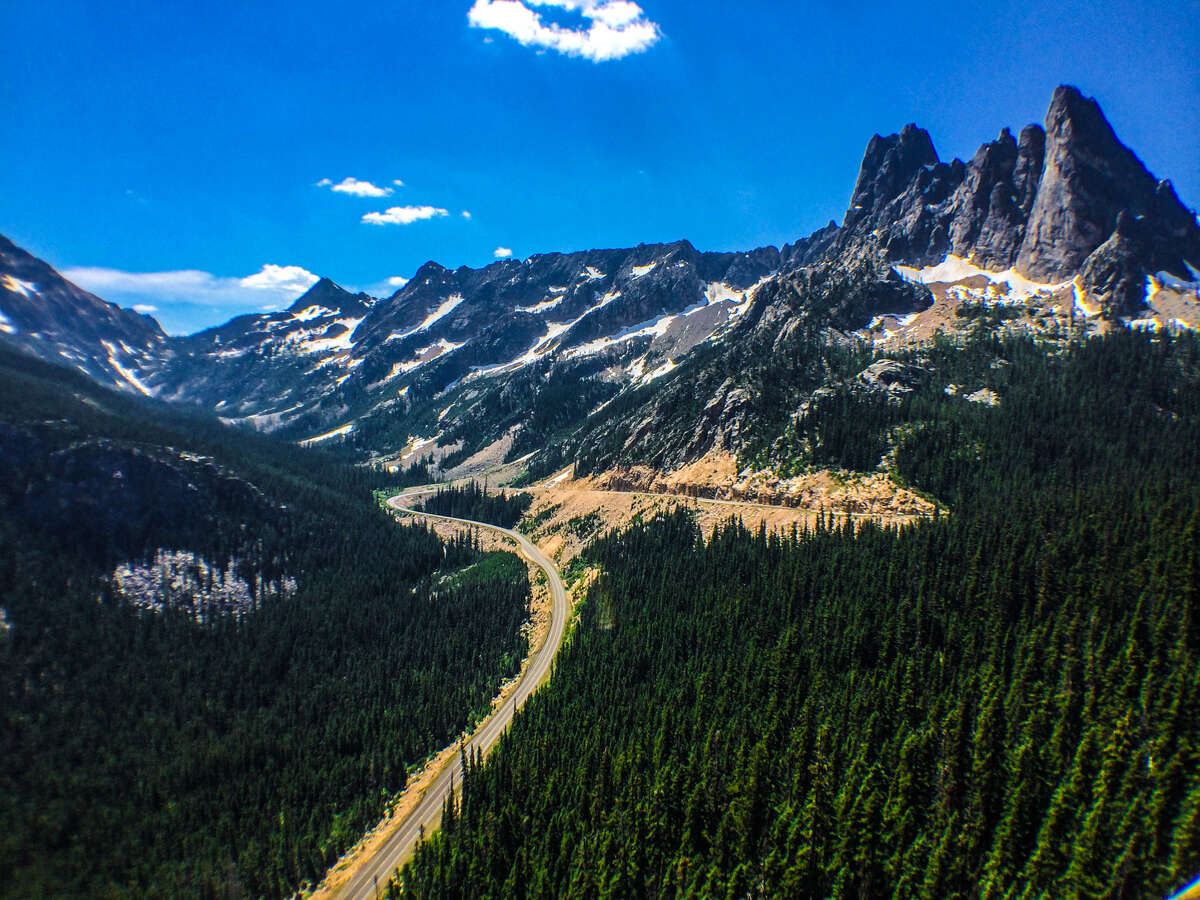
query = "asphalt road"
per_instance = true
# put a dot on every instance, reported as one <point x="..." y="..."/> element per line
<point x="373" y="873"/>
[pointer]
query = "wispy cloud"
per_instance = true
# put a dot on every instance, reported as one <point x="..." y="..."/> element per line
<point x="356" y="188"/>
<point x="187" y="300"/>
<point x="466" y="214"/>
<point x="613" y="28"/>
<point x="403" y="215"/>
<point x="502" y="252"/>
<point x="271" y="285"/>
<point x="397" y="281"/>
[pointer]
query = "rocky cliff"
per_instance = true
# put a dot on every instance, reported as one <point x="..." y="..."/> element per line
<point x="1042" y="204"/>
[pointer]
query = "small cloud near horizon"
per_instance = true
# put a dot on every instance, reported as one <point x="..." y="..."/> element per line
<point x="403" y="215"/>
<point x="502" y="252"/>
<point x="466" y="214"/>
<point x="613" y="29"/>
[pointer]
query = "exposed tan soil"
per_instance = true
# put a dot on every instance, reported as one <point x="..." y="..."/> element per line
<point x="1050" y="312"/>
<point x="568" y="512"/>
<point x="1170" y="304"/>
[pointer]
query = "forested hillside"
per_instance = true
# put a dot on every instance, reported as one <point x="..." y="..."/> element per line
<point x="472" y="501"/>
<point x="999" y="702"/>
<point x="157" y="753"/>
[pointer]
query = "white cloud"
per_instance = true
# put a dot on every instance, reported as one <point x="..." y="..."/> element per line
<point x="501" y="252"/>
<point x="397" y="281"/>
<point x="403" y="215"/>
<point x="154" y="290"/>
<point x="466" y="214"/>
<point x="145" y="308"/>
<point x="356" y="188"/>
<point x="283" y="279"/>
<point x="397" y="182"/>
<point x="614" y="28"/>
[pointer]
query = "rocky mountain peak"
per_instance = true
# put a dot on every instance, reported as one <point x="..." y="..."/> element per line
<point x="323" y="289"/>
<point x="47" y="316"/>
<point x="1041" y="204"/>
<point x="888" y="166"/>
<point x="1088" y="178"/>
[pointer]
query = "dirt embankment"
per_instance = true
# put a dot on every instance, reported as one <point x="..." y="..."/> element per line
<point x="569" y="512"/>
<point x="716" y="477"/>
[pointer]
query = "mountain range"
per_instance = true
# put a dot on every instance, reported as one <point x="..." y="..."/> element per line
<point x="1062" y="227"/>
<point x="882" y="549"/>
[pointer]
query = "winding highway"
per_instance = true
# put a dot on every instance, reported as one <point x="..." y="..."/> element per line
<point x="371" y="875"/>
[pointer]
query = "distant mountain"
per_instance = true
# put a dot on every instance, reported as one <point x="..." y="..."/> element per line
<point x="47" y="316"/>
<point x="256" y="367"/>
<point x="1060" y="230"/>
<point x="335" y="358"/>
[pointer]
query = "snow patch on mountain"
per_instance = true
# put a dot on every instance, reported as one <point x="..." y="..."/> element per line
<point x="542" y="306"/>
<point x="608" y="298"/>
<point x="315" y="342"/>
<point x="444" y="309"/>
<point x="436" y="350"/>
<point x="337" y="432"/>
<point x="716" y="291"/>
<point x="954" y="269"/>
<point x="650" y="328"/>
<point x="17" y="286"/>
<point x="1160" y="280"/>
<point x="537" y="350"/>
<point x="669" y="366"/>
<point x="127" y="374"/>
<point x="1082" y="307"/>
<point x="310" y="313"/>
<point x="417" y="444"/>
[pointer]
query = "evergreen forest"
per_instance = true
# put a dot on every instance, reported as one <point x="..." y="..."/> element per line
<point x="476" y="502"/>
<point x="1002" y="701"/>
<point x="149" y="754"/>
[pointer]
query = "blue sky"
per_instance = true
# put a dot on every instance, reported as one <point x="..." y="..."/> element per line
<point x="191" y="140"/>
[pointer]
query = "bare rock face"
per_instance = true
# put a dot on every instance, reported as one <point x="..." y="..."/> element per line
<point x="888" y="169"/>
<point x="1042" y="204"/>
<point x="1100" y="213"/>
<point x="887" y="376"/>
<point x="985" y="195"/>
<point x="1011" y="191"/>
<point x="1088" y="178"/>
<point x="1115" y="272"/>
